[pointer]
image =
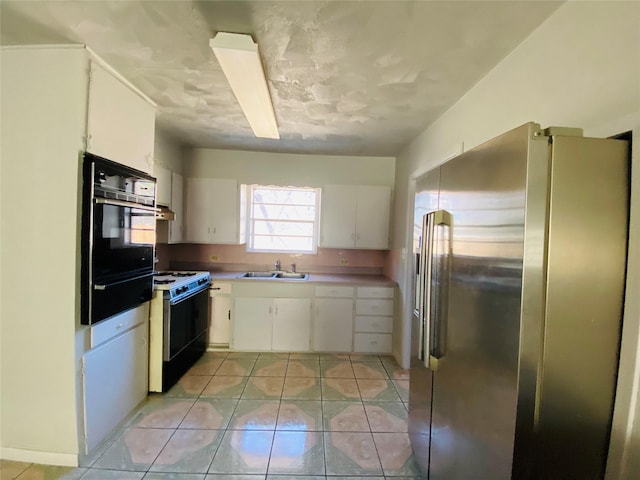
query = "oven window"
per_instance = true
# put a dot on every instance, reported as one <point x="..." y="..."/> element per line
<point x="123" y="240"/>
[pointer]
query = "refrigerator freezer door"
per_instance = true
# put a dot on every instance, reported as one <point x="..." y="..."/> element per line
<point x="475" y="387"/>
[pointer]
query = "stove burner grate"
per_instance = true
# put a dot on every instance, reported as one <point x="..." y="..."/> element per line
<point x="163" y="282"/>
<point x="183" y="274"/>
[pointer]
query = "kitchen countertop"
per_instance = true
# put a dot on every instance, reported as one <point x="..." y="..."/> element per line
<point x="316" y="278"/>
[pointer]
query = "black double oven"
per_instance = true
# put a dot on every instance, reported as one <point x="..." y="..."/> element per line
<point x="118" y="238"/>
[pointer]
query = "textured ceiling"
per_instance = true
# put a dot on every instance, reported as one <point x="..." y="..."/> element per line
<point x="351" y="78"/>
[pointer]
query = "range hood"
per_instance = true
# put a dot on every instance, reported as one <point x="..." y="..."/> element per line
<point x="164" y="213"/>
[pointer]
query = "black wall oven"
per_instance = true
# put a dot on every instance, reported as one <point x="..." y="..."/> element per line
<point x="118" y="238"/>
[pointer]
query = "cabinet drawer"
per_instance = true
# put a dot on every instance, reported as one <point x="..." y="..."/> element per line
<point x="220" y="288"/>
<point x="375" y="292"/>
<point x="374" y="307"/>
<point x="374" y="324"/>
<point x="372" y="342"/>
<point x="337" y="291"/>
<point x="118" y="324"/>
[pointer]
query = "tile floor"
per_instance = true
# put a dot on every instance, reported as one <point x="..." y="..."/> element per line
<point x="250" y="416"/>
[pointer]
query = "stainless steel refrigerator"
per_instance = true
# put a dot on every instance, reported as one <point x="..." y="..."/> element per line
<point x="520" y="252"/>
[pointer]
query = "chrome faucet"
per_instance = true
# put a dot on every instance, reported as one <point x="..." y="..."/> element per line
<point x="293" y="268"/>
<point x="278" y="265"/>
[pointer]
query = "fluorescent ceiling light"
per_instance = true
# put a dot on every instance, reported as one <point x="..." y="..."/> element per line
<point x="238" y="56"/>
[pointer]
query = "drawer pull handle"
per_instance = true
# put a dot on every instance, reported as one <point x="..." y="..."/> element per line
<point x="374" y="342"/>
<point x="216" y="288"/>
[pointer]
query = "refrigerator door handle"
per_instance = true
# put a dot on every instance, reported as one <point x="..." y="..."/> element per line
<point x="441" y="267"/>
<point x="424" y="281"/>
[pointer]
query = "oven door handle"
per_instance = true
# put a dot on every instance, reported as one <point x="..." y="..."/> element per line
<point x="123" y="203"/>
<point x="120" y="282"/>
<point x="205" y="287"/>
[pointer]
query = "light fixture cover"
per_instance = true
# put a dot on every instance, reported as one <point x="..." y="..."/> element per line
<point x="240" y="61"/>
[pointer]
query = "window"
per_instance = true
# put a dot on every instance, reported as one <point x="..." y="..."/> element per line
<point x="283" y="219"/>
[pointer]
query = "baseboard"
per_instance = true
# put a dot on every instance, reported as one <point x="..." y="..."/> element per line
<point x="36" y="456"/>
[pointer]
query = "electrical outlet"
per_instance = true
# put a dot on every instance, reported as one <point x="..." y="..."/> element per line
<point x="343" y="261"/>
<point x="213" y="258"/>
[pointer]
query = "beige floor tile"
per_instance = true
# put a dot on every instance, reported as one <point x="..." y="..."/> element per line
<point x="10" y="469"/>
<point x="300" y="415"/>
<point x="188" y="451"/>
<point x="210" y="414"/>
<point x="255" y="415"/>
<point x="270" y="367"/>
<point x="263" y="388"/>
<point x="243" y="452"/>
<point x="387" y="417"/>
<point x="303" y="368"/>
<point x="396" y="455"/>
<point x="224" y="387"/>
<point x="237" y="367"/>
<point x="301" y="388"/>
<point x="345" y="417"/>
<point x="349" y="453"/>
<point x="189" y="386"/>
<point x="336" y="370"/>
<point x="164" y="412"/>
<point x="340" y="389"/>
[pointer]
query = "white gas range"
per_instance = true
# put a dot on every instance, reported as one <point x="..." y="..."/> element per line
<point x="179" y="320"/>
<point x="180" y="284"/>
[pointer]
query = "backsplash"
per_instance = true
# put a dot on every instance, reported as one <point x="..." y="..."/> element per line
<point x="236" y="258"/>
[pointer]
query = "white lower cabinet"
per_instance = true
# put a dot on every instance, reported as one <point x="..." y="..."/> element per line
<point x="115" y="372"/>
<point x="372" y="343"/>
<point x="333" y="325"/>
<point x="252" y="324"/>
<point x="374" y="320"/>
<point x="265" y="324"/>
<point x="220" y="315"/>
<point x="271" y="316"/>
<point x="291" y="324"/>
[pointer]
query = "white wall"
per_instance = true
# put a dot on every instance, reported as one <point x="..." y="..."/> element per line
<point x="580" y="68"/>
<point x="43" y="112"/>
<point x="289" y="169"/>
<point x="167" y="152"/>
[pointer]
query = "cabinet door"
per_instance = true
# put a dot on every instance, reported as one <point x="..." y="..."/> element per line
<point x="333" y="325"/>
<point x="223" y="208"/>
<point x="337" y="226"/>
<point x="120" y="123"/>
<point x="163" y="185"/>
<point x="291" y="324"/>
<point x="252" y="324"/>
<point x="176" y="226"/>
<point x="198" y="213"/>
<point x="114" y="381"/>
<point x="220" y="327"/>
<point x="372" y="218"/>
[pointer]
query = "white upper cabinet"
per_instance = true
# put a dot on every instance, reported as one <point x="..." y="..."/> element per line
<point x="121" y="124"/>
<point x="163" y="185"/>
<point x="215" y="211"/>
<point x="355" y="216"/>
<point x="338" y="222"/>
<point x="176" y="226"/>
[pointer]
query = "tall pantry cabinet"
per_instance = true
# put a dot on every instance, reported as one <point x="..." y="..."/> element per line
<point x="57" y="102"/>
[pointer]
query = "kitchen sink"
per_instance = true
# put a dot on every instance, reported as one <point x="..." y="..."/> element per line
<point x="276" y="275"/>
<point x="292" y="275"/>
<point x="257" y="275"/>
